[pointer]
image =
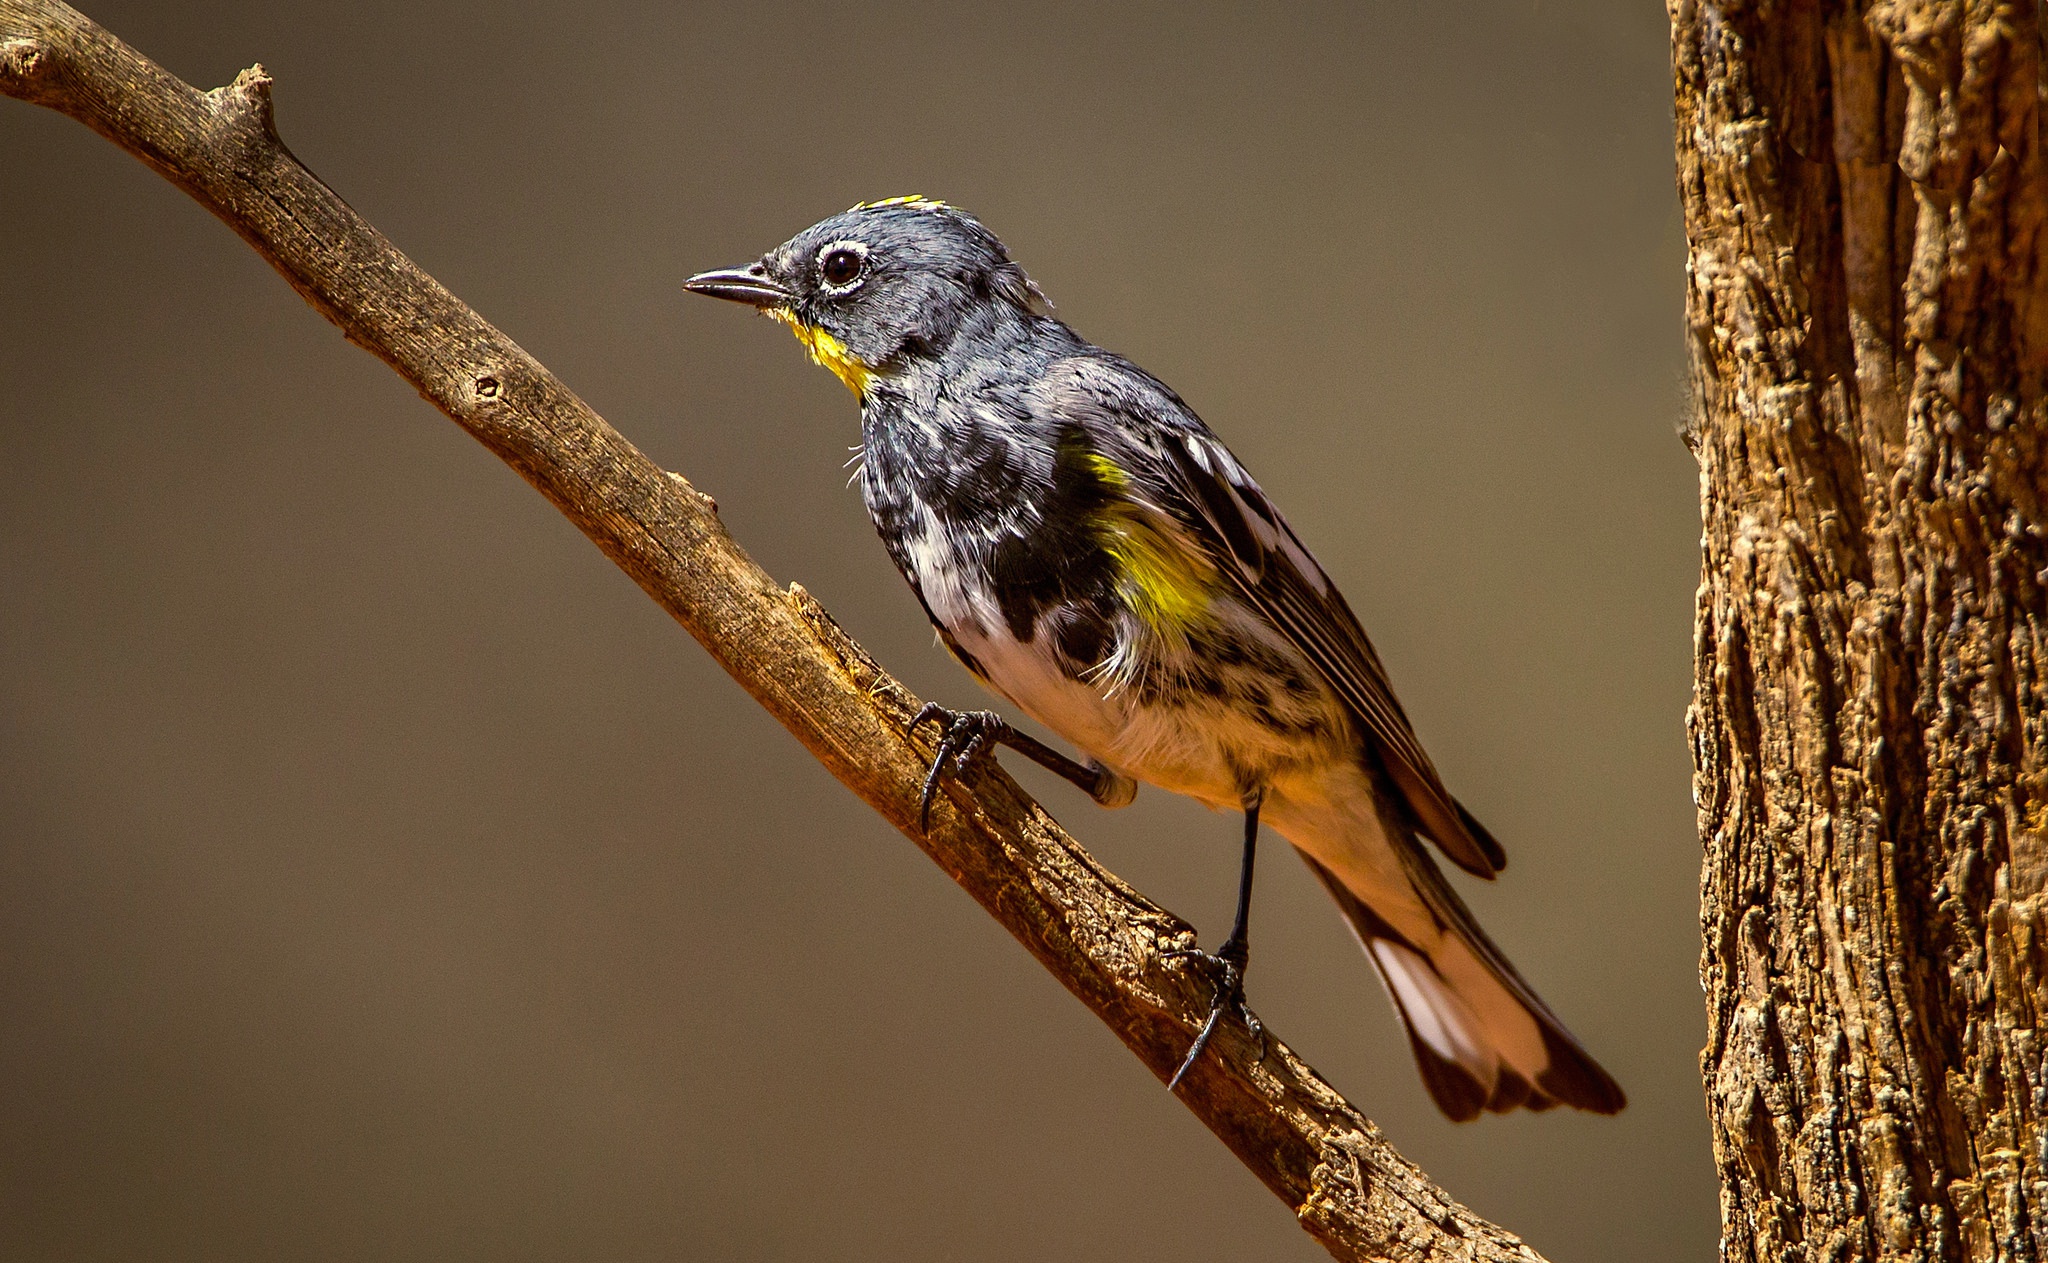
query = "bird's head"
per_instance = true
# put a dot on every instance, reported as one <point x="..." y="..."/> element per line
<point x="876" y="285"/>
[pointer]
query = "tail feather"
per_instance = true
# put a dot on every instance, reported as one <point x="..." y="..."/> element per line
<point x="1496" y="854"/>
<point x="1481" y="1037"/>
<point x="1461" y="1071"/>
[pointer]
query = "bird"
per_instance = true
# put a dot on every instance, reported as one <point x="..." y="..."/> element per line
<point x="1090" y="550"/>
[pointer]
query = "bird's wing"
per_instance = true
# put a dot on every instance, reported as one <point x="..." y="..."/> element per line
<point x="1270" y="568"/>
<point x="1190" y="475"/>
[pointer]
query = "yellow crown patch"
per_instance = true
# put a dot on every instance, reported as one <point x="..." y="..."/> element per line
<point x="915" y="201"/>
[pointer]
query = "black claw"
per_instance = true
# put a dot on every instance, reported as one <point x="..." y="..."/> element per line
<point x="1229" y="963"/>
<point x="1195" y="1049"/>
<point x="924" y="801"/>
<point x="967" y="735"/>
<point x="925" y="714"/>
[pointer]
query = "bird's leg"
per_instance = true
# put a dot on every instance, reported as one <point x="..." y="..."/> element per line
<point x="966" y="735"/>
<point x="1233" y="957"/>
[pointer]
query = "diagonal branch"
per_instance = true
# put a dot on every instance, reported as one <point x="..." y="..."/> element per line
<point x="1096" y="935"/>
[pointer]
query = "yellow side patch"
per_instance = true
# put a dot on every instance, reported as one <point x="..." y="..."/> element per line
<point x="1166" y="579"/>
<point x="827" y="350"/>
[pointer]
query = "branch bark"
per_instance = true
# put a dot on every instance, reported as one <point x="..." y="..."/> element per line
<point x="1864" y="193"/>
<point x="1099" y="937"/>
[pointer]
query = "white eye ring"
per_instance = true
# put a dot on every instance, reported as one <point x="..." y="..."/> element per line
<point x="831" y="259"/>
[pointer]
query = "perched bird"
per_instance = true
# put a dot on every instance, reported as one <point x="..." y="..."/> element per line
<point x="1092" y="552"/>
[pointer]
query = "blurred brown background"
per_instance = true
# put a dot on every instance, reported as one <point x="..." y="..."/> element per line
<point x="383" y="876"/>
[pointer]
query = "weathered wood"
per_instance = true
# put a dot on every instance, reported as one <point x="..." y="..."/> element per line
<point x="1096" y="935"/>
<point x="1864" y="192"/>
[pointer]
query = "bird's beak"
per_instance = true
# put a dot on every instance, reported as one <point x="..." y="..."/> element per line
<point x="748" y="285"/>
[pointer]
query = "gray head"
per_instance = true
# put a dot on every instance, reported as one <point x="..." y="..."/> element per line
<point x="879" y="282"/>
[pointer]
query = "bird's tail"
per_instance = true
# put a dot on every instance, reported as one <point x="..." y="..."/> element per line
<point x="1481" y="1036"/>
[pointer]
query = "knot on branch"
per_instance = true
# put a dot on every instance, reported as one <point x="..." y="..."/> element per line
<point x="22" y="63"/>
<point x="21" y="58"/>
<point x="246" y="100"/>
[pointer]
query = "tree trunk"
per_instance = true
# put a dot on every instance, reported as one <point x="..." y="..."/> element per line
<point x="1864" y="196"/>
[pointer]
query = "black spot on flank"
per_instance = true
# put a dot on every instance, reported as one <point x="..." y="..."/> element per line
<point x="1151" y="690"/>
<point x="1291" y="724"/>
<point x="1292" y="680"/>
<point x="1082" y="639"/>
<point x="1228" y="651"/>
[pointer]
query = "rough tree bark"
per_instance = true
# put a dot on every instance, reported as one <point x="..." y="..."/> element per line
<point x="1864" y="195"/>
<point x="1100" y="938"/>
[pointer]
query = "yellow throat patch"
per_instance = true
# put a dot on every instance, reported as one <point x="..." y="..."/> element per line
<point x="826" y="350"/>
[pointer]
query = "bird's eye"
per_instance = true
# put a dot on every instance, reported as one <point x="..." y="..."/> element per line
<point x="841" y="265"/>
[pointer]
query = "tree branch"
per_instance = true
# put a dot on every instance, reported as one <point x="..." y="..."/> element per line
<point x="1099" y="937"/>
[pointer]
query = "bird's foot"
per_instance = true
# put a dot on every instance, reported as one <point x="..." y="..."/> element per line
<point x="964" y="736"/>
<point x="1229" y="964"/>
